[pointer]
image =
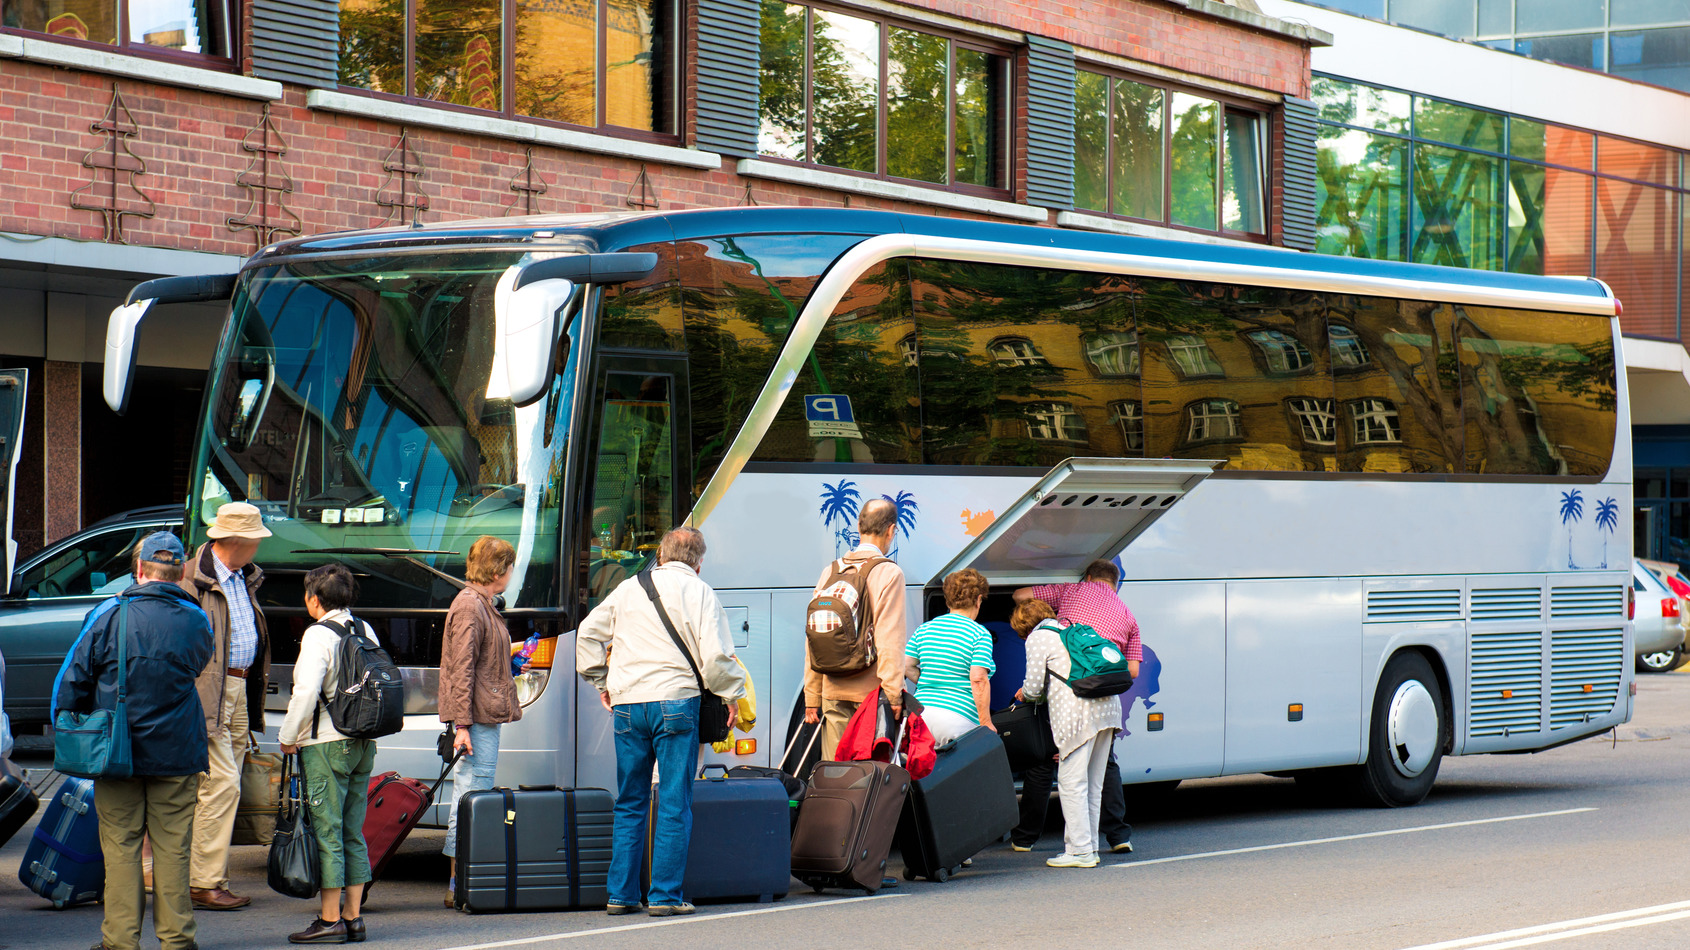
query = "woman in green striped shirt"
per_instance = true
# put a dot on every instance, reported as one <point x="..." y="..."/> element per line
<point x="950" y="660"/>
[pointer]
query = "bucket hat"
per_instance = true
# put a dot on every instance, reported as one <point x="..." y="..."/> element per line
<point x="237" y="519"/>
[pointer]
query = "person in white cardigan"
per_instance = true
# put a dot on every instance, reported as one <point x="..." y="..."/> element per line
<point x="336" y="769"/>
<point x="1084" y="730"/>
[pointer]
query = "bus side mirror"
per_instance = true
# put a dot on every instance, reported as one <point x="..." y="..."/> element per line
<point x="123" y="330"/>
<point x="529" y="320"/>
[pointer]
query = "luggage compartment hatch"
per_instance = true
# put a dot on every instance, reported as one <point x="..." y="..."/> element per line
<point x="1082" y="510"/>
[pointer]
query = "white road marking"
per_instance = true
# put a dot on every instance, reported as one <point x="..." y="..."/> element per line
<point x="1355" y="837"/>
<point x="671" y="921"/>
<point x="1566" y="929"/>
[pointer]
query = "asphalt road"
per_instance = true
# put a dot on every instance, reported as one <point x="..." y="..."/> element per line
<point x="1579" y="847"/>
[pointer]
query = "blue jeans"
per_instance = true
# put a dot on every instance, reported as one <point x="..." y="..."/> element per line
<point x="664" y="734"/>
<point x="473" y="773"/>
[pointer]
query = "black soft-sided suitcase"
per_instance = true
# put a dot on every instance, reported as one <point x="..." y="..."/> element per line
<point x="965" y="804"/>
<point x="846" y="823"/>
<point x="17" y="801"/>
<point x="533" y="849"/>
<point x="741" y="846"/>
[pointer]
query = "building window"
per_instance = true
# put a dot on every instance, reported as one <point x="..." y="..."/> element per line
<point x="1113" y="353"/>
<point x="1212" y="419"/>
<point x="1055" y="422"/>
<point x="1014" y="351"/>
<point x="199" y="28"/>
<point x="870" y="96"/>
<point x="1193" y="356"/>
<point x="1316" y="420"/>
<point x="1129" y="416"/>
<point x="1373" y="421"/>
<point x="1284" y="353"/>
<point x="1347" y="349"/>
<point x="1141" y="151"/>
<point x="593" y="63"/>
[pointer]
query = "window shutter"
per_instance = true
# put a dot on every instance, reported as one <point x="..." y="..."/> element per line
<point x="1050" y="123"/>
<point x="297" y="41"/>
<point x="1299" y="209"/>
<point x="729" y="54"/>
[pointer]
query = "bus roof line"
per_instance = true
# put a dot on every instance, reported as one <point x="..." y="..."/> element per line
<point x="856" y="261"/>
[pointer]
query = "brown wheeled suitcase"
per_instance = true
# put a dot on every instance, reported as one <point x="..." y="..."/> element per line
<point x="846" y="823"/>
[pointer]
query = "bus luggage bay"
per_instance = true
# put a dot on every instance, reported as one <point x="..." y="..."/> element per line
<point x="1368" y="514"/>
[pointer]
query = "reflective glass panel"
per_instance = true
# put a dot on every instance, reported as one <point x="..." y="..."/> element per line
<point x="1457" y="125"/>
<point x="638" y="44"/>
<point x="1658" y="56"/>
<point x="1193" y="155"/>
<point x="1648" y="12"/>
<point x="94" y="21"/>
<point x="1548" y="16"/>
<point x="556" y="57"/>
<point x="633" y="479"/>
<point x="94" y="565"/>
<point x="1537" y="392"/>
<point x="845" y="90"/>
<point x="459" y="52"/>
<point x="1496" y="17"/>
<point x="1137" y="150"/>
<point x="645" y="314"/>
<point x="1627" y="159"/>
<point x="1350" y="103"/>
<point x="1650" y="482"/>
<point x="1575" y="49"/>
<point x="1113" y="352"/>
<point x="917" y="67"/>
<point x="1091" y="141"/>
<point x="1450" y="17"/>
<point x="781" y="83"/>
<point x="1548" y="220"/>
<point x="1550" y="143"/>
<point x="1241" y="195"/>
<point x="1637" y="254"/>
<point x="1460" y="209"/>
<point x="1363" y="194"/>
<point x="1401" y="411"/>
<point x="192" y="26"/>
<point x="977" y="85"/>
<point x="372" y="45"/>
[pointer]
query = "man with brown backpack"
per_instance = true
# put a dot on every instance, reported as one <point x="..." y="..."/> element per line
<point x="855" y="629"/>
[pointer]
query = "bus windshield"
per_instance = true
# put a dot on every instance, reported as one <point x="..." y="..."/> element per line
<point x="363" y="405"/>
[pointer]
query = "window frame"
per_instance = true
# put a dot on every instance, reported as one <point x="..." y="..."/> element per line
<point x="1130" y="410"/>
<point x="1230" y="410"/>
<point x="1305" y="408"/>
<point x="1352" y="337"/>
<point x="1058" y="411"/>
<point x="676" y="60"/>
<point x="1208" y="355"/>
<point x="1386" y="411"/>
<point x="234" y="10"/>
<point x="1006" y="107"/>
<point x="1228" y="104"/>
<point x="1286" y="344"/>
<point x="1090" y="350"/>
<point x="1035" y="359"/>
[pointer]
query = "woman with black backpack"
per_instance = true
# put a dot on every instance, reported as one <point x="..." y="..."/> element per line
<point x="336" y="768"/>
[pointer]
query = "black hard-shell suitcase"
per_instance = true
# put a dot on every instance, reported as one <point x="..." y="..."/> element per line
<point x="965" y="804"/>
<point x="741" y="845"/>
<point x="17" y="801"/>
<point x="533" y="849"/>
<point x="846" y="823"/>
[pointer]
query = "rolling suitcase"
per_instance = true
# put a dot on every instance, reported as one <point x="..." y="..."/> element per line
<point x="796" y="788"/>
<point x="741" y="844"/>
<point x="63" y="862"/>
<point x="964" y="805"/>
<point x="846" y="823"/>
<point x="396" y="805"/>
<point x="17" y="801"/>
<point x="533" y="849"/>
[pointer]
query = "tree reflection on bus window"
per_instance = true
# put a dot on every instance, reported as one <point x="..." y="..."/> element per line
<point x="633" y="500"/>
<point x="1402" y="408"/>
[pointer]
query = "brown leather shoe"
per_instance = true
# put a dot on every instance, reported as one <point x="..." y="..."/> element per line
<point x="216" y="898"/>
<point x="354" y="929"/>
<point x="321" y="932"/>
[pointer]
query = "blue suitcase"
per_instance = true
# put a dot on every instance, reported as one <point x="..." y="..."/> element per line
<point x="62" y="861"/>
<point x="741" y="845"/>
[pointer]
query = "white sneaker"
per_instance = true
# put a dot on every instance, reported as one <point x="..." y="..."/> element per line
<point x="1066" y="860"/>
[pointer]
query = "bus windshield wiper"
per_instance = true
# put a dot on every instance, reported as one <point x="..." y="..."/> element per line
<point x="408" y="555"/>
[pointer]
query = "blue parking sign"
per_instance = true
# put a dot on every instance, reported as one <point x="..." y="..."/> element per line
<point x="829" y="407"/>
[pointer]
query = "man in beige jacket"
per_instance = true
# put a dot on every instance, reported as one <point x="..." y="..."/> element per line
<point x="833" y="700"/>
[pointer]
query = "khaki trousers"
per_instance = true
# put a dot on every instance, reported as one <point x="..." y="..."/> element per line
<point x="160" y="807"/>
<point x="836" y="715"/>
<point x="220" y="793"/>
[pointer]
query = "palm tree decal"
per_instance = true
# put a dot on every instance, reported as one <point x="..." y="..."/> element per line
<point x="839" y="503"/>
<point x="1607" y="518"/>
<point x="1572" y="509"/>
<point x="907" y="509"/>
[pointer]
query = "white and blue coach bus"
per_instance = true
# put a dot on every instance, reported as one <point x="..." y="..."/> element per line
<point x="1368" y="514"/>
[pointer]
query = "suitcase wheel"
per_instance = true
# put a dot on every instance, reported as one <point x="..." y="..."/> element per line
<point x="909" y="875"/>
<point x="942" y="875"/>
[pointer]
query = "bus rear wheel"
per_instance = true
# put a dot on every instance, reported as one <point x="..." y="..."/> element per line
<point x="1406" y="741"/>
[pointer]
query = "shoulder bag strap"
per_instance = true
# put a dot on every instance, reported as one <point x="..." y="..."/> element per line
<point x="863" y="572"/>
<point x="122" y="655"/>
<point x="669" y="625"/>
<point x="317" y="710"/>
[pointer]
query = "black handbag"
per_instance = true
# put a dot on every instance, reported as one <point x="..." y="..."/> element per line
<point x="712" y="710"/>
<point x="294" y="869"/>
<point x="1025" y="730"/>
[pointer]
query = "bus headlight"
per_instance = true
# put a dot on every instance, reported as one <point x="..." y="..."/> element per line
<point x="530" y="685"/>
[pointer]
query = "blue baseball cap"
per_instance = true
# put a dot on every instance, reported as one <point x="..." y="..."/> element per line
<point x="161" y="547"/>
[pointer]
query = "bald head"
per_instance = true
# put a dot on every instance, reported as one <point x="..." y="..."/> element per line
<point x="876" y="522"/>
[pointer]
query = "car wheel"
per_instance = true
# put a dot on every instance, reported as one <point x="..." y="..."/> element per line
<point x="1406" y="741"/>
<point x="1661" y="661"/>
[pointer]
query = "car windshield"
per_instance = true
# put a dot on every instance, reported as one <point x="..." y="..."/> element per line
<point x="363" y="405"/>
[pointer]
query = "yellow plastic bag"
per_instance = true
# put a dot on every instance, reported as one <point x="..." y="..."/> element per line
<point x="747" y="720"/>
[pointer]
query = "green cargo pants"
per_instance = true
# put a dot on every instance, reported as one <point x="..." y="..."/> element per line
<point x="337" y="787"/>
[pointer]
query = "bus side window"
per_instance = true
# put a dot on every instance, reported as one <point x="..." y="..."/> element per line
<point x="633" y="500"/>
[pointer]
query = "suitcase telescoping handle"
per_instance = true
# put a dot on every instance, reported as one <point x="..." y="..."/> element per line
<point x="435" y="788"/>
<point x="785" y="756"/>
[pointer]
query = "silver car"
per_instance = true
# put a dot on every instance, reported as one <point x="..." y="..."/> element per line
<point x="1659" y="636"/>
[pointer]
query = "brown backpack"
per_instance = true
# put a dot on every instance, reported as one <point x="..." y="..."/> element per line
<point x="839" y="622"/>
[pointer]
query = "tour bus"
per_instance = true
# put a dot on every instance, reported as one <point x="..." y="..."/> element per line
<point x="1368" y="514"/>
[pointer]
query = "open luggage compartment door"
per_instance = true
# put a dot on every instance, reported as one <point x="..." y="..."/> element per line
<point x="1083" y="510"/>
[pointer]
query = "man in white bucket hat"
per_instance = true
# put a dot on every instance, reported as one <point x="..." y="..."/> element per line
<point x="222" y="577"/>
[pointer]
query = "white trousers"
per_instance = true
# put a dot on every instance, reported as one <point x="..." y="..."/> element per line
<point x="946" y="726"/>
<point x="1079" y="783"/>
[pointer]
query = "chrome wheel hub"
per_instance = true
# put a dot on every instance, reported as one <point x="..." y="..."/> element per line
<point x="1411" y="728"/>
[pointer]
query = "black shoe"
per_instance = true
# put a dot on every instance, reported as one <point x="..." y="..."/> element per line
<point x="321" y="931"/>
<point x="354" y="929"/>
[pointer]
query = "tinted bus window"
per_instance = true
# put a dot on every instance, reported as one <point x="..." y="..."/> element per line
<point x="645" y="314"/>
<point x="1398" y="405"/>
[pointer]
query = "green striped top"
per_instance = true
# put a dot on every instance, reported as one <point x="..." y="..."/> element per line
<point x="945" y="648"/>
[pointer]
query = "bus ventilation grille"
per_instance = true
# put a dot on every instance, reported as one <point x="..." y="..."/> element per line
<point x="1507" y="603"/>
<point x="1608" y="601"/>
<point x="1506" y="683"/>
<point x="1585" y="668"/>
<point x="1400" y="606"/>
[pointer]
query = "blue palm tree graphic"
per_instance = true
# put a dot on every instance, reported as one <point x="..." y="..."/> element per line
<point x="907" y="509"/>
<point x="1607" y="518"/>
<point x="839" y="503"/>
<point x="1572" y="509"/>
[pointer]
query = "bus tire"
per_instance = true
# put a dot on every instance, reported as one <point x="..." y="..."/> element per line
<point x="1406" y="740"/>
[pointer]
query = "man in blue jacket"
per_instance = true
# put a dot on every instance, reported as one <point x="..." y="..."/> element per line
<point x="169" y="642"/>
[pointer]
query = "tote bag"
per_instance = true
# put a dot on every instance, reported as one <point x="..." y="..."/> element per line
<point x="294" y="869"/>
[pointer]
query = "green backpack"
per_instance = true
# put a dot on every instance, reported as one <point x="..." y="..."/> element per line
<point x="1097" y="667"/>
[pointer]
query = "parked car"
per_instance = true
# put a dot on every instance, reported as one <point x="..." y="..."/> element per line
<point x="1657" y="619"/>
<point x="51" y="595"/>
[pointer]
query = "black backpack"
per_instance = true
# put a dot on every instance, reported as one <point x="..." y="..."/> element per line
<point x="369" y="694"/>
